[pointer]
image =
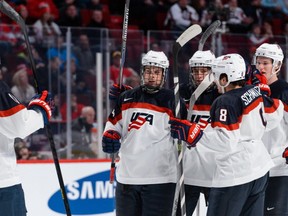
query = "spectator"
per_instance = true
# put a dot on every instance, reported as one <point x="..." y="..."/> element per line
<point x="216" y="11"/>
<point x="81" y="134"/>
<point x="77" y="83"/>
<point x="22" y="88"/>
<point x="63" y="4"/>
<point x="97" y="20"/>
<point x="56" y="114"/>
<point x="115" y="68"/>
<point x="84" y="54"/>
<point x="256" y="38"/>
<point x="267" y="27"/>
<point x="70" y="17"/>
<point x="205" y="18"/>
<point x="94" y="5"/>
<point x="255" y="11"/>
<point x="45" y="28"/>
<point x="76" y="108"/>
<point x="52" y="79"/>
<point x="35" y="9"/>
<point x="181" y="15"/>
<point x="58" y="49"/>
<point x="133" y="80"/>
<point x="237" y="22"/>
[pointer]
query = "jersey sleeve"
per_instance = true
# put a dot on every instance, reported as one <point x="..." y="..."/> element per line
<point x="273" y="112"/>
<point x="284" y="99"/>
<point x="15" y="119"/>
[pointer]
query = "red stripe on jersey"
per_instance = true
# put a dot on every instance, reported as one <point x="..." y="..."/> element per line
<point x="285" y="107"/>
<point x="147" y="106"/>
<point x="12" y="111"/>
<point x="202" y="107"/>
<point x="274" y="107"/>
<point x="252" y="105"/>
<point x="115" y="119"/>
<point x="230" y="127"/>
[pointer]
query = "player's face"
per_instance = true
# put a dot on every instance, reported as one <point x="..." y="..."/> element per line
<point x="264" y="65"/>
<point x="199" y="73"/>
<point x="153" y="76"/>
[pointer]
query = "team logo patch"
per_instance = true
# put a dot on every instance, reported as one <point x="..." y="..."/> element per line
<point x="138" y="119"/>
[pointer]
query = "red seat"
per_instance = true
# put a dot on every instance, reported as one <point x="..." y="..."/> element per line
<point x="116" y="21"/>
<point x="86" y="16"/>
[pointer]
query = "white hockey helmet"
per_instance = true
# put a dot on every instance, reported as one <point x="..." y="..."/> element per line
<point x="233" y="65"/>
<point x="272" y="51"/>
<point x="157" y="59"/>
<point x="202" y="59"/>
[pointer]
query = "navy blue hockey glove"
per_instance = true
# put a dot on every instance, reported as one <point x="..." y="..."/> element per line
<point x="186" y="131"/>
<point x="111" y="141"/>
<point x="259" y="79"/>
<point x="285" y="155"/>
<point x="43" y="102"/>
<point x="115" y="91"/>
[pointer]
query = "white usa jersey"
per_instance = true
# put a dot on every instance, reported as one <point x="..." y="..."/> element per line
<point x="276" y="140"/>
<point x="147" y="153"/>
<point x="15" y="121"/>
<point x="231" y="149"/>
<point x="193" y="161"/>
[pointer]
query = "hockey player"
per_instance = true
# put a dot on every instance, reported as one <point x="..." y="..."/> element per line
<point x="17" y="121"/>
<point x="237" y="157"/>
<point x="268" y="60"/>
<point x="142" y="127"/>
<point x="200" y="64"/>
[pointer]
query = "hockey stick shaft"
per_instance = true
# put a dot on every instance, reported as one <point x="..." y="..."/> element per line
<point x="208" y="32"/>
<point x="207" y="81"/>
<point x="10" y="12"/>
<point x="124" y="40"/>
<point x="187" y="35"/>
<point x="123" y="52"/>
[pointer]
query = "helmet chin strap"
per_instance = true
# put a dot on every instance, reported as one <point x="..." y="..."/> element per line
<point x="274" y="72"/>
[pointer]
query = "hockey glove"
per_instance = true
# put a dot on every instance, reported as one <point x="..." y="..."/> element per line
<point x="186" y="131"/>
<point x="285" y="155"/>
<point x="44" y="103"/>
<point x="111" y="141"/>
<point x="258" y="79"/>
<point x="115" y="91"/>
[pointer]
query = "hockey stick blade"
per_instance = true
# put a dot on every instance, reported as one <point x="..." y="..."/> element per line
<point x="209" y="31"/>
<point x="208" y="80"/>
<point x="187" y="35"/>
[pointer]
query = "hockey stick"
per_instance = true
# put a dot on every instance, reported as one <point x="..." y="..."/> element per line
<point x="207" y="81"/>
<point x="11" y="13"/>
<point x="123" y="51"/>
<point x="209" y="31"/>
<point x="187" y="35"/>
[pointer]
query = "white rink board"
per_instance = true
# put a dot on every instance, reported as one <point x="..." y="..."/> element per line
<point x="40" y="182"/>
<point x="88" y="189"/>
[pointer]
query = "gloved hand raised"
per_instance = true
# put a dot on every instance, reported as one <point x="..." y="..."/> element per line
<point x="111" y="141"/>
<point x="285" y="155"/>
<point x="44" y="103"/>
<point x="186" y="131"/>
<point x="259" y="79"/>
<point x="115" y="91"/>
